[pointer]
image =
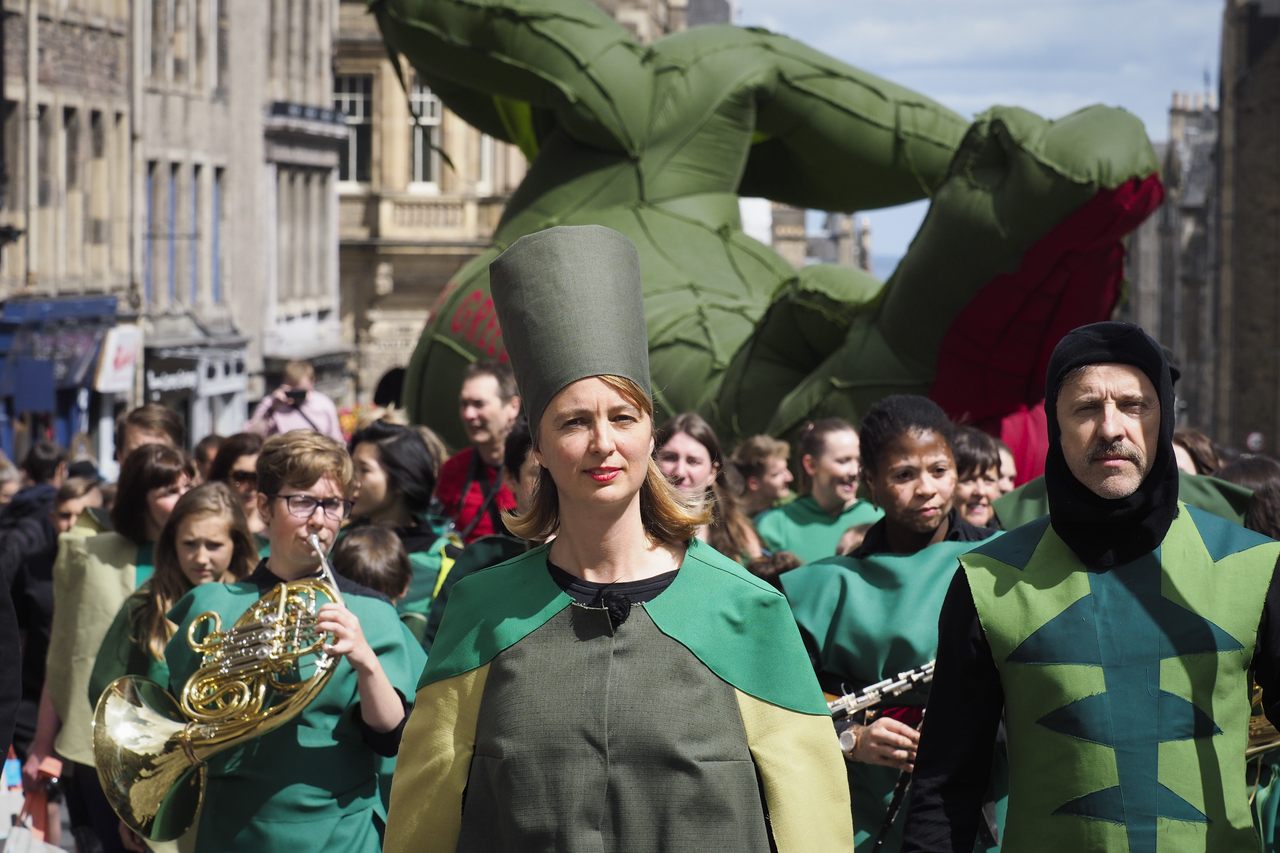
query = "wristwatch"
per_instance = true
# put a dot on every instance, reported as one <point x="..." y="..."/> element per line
<point x="849" y="740"/>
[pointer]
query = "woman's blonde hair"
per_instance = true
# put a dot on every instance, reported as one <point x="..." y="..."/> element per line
<point x="667" y="515"/>
<point x="168" y="584"/>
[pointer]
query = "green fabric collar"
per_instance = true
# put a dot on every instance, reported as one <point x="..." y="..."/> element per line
<point x="737" y="625"/>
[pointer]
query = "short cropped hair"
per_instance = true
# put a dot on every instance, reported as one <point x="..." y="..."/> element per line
<point x="42" y="461"/>
<point x="300" y="459"/>
<point x="896" y="415"/>
<point x="501" y="372"/>
<point x="152" y="417"/>
<point x="298" y="371"/>
<point x="752" y="455"/>
<point x="374" y="557"/>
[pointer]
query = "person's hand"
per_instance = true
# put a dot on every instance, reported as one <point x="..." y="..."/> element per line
<point x="348" y="637"/>
<point x="889" y="743"/>
<point x="281" y="395"/>
<point x="31" y="780"/>
<point x="130" y="839"/>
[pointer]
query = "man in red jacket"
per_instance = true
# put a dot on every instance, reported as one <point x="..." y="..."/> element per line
<point x="470" y="486"/>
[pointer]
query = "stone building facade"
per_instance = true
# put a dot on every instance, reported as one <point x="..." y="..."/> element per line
<point x="170" y="204"/>
<point x="1173" y="283"/>
<point x="1247" y="383"/>
<point x="408" y="220"/>
<point x="236" y="207"/>
<point x="66" y="264"/>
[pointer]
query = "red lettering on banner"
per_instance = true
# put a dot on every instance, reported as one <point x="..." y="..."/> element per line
<point x="476" y="322"/>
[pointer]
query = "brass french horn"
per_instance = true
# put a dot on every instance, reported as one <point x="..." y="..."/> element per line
<point x="150" y="748"/>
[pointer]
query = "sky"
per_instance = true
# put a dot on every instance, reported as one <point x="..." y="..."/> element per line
<point x="1049" y="56"/>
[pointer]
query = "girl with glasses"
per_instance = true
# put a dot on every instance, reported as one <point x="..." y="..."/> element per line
<point x="322" y="766"/>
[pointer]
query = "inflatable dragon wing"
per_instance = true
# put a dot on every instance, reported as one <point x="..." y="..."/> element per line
<point x="1021" y="243"/>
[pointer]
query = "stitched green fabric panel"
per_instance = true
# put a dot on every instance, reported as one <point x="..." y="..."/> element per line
<point x="1126" y="690"/>
<point x="596" y="759"/>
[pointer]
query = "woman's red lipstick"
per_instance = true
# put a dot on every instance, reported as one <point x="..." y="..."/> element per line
<point x="603" y="475"/>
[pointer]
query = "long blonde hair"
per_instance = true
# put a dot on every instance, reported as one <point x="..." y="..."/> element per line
<point x="168" y="584"/>
<point x="666" y="514"/>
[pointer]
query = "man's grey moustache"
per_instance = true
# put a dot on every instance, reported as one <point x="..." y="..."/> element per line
<point x="1122" y="449"/>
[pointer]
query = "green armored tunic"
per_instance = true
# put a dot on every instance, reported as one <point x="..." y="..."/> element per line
<point x="312" y="783"/>
<point x="691" y="722"/>
<point x="1127" y="690"/>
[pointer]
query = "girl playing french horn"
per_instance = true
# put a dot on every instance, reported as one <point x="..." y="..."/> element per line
<point x="314" y="780"/>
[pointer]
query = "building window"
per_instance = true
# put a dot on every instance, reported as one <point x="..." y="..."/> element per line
<point x="424" y="135"/>
<point x="11" y="186"/>
<point x="149" y="235"/>
<point x="171" y="232"/>
<point x="95" y="215"/>
<point x="44" y="157"/>
<point x="159" y="39"/>
<point x="484" y="172"/>
<point x="216" y="238"/>
<point x="71" y="148"/>
<point x="193" y="261"/>
<point x="353" y="97"/>
<point x="223" y="25"/>
<point x="201" y="30"/>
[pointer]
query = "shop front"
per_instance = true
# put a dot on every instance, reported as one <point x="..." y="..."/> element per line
<point x="49" y="366"/>
<point x="204" y="383"/>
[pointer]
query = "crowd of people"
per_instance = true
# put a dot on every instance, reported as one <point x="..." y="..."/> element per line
<point x="549" y="631"/>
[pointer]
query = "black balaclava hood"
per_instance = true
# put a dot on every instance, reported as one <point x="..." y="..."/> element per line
<point x="1110" y="532"/>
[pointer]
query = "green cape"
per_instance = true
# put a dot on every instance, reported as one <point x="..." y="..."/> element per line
<point x="737" y="625"/>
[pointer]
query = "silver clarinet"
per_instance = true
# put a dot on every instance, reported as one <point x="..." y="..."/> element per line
<point x="844" y="708"/>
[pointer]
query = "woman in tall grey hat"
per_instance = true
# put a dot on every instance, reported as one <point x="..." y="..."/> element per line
<point x="625" y="687"/>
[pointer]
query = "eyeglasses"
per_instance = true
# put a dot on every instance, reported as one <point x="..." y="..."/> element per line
<point x="304" y="506"/>
<point x="244" y="478"/>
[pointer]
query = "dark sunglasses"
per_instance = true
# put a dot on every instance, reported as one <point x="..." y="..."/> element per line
<point x="244" y="478"/>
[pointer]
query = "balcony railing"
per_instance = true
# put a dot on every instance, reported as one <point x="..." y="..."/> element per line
<point x="409" y="217"/>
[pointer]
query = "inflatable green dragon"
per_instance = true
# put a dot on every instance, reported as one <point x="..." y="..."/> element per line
<point x="1022" y="240"/>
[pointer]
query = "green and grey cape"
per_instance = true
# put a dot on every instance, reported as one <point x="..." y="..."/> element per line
<point x="696" y="724"/>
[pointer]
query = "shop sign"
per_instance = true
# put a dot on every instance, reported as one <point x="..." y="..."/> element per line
<point x="119" y="360"/>
<point x="169" y="374"/>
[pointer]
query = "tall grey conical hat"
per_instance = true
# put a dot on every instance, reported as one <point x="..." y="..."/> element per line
<point x="570" y="303"/>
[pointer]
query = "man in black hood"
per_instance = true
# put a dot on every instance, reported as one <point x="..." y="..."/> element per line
<point x="1116" y="636"/>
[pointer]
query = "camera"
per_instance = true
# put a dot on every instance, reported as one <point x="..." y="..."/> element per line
<point x="296" y="395"/>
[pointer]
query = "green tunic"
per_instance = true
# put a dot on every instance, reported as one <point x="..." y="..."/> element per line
<point x="92" y="578"/>
<point x="1126" y="691"/>
<point x="539" y="727"/>
<point x="313" y="783"/>
<point x="866" y="620"/>
<point x="124" y="650"/>
<point x="806" y="530"/>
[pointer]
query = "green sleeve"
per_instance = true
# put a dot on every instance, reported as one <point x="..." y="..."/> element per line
<point x="123" y="652"/>
<point x="399" y="653"/>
